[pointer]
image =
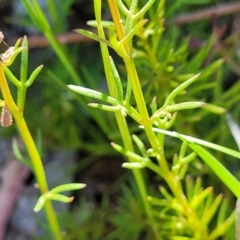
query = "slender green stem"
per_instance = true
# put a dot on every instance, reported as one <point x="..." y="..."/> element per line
<point x="32" y="150"/>
<point x="126" y="138"/>
<point x="39" y="173"/>
<point x="33" y="153"/>
<point x="52" y="219"/>
<point x="121" y="121"/>
<point x="138" y="94"/>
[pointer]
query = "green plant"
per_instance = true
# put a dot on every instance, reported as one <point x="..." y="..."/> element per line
<point x="153" y="62"/>
<point x="184" y="208"/>
<point x="16" y="109"/>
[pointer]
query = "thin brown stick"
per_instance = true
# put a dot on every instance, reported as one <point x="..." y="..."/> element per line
<point x="66" y="38"/>
<point x="220" y="10"/>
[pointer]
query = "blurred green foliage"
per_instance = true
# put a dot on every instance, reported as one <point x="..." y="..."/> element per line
<point x="165" y="58"/>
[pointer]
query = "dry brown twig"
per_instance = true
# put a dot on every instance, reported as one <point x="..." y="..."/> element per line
<point x="220" y="10"/>
<point x="66" y="38"/>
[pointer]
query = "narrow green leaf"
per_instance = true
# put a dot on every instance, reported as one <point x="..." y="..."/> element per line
<point x="170" y="122"/>
<point x="40" y="16"/>
<point x="131" y="155"/>
<point x="11" y="77"/>
<point x="33" y="76"/>
<point x="200" y="197"/>
<point x="105" y="107"/>
<point x="165" y="193"/>
<point x="221" y="229"/>
<point x="165" y="111"/>
<point x="198" y="186"/>
<point x="18" y="154"/>
<point x="214" y="109"/>
<point x="177" y="90"/>
<point x="135" y="158"/>
<point x="153" y="105"/>
<point x="122" y="8"/>
<point x="24" y="61"/>
<point x="40" y="204"/>
<point x="183" y="149"/>
<point x="93" y="94"/>
<point x="189" y="188"/>
<point x="183" y="171"/>
<point x="188" y="158"/>
<point x="209" y="214"/>
<point x="30" y="10"/>
<point x="183" y="106"/>
<point x="139" y="144"/>
<point x="104" y="23"/>
<point x="199" y="141"/>
<point x="68" y="187"/>
<point x="222" y="213"/>
<point x="131" y="111"/>
<point x="93" y="36"/>
<point x="159" y="202"/>
<point x="117" y="80"/>
<point x="225" y="176"/>
<point x="61" y="198"/>
<point x="134" y="165"/>
<point x="208" y="203"/>
<point x="18" y="42"/>
<point x="129" y="91"/>
<point x="210" y="69"/>
<point x="132" y="32"/>
<point x="142" y="11"/>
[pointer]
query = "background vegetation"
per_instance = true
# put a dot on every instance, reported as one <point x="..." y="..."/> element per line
<point x="166" y="53"/>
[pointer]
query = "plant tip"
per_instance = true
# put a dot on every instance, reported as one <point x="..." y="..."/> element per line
<point x="71" y="199"/>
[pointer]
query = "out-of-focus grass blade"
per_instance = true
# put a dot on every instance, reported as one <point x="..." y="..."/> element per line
<point x="226" y="177"/>
<point x="199" y="141"/>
